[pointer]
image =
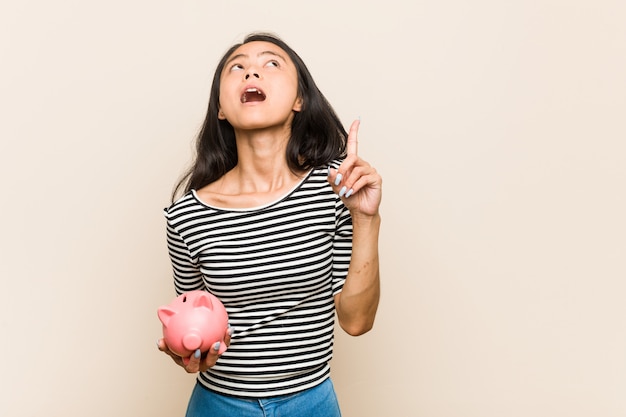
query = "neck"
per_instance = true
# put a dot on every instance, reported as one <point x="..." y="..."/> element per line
<point x="261" y="162"/>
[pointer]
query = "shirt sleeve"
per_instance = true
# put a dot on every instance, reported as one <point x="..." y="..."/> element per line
<point x="342" y="245"/>
<point x="187" y="275"/>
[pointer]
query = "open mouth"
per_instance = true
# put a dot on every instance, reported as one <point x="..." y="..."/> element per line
<point x="252" y="94"/>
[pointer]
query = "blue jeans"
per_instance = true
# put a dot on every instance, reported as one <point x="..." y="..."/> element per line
<point x="319" y="401"/>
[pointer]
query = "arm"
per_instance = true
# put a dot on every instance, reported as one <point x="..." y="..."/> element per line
<point x="360" y="187"/>
<point x="357" y="303"/>
<point x="187" y="277"/>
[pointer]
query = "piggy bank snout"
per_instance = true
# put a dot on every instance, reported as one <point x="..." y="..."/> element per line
<point x="192" y="341"/>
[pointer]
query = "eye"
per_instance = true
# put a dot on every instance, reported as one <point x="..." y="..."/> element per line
<point x="236" y="67"/>
<point x="272" y="63"/>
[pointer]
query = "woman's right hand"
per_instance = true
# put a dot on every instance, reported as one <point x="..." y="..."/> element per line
<point x="197" y="362"/>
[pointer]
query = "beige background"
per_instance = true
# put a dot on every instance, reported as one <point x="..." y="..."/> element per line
<point x="498" y="127"/>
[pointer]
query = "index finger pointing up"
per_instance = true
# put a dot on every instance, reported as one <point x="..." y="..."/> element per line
<point x="353" y="142"/>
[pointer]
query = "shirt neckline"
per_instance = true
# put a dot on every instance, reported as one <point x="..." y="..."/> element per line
<point x="253" y="208"/>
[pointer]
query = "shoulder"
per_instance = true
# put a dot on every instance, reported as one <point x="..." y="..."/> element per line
<point x="322" y="171"/>
<point x="335" y="163"/>
<point x="185" y="204"/>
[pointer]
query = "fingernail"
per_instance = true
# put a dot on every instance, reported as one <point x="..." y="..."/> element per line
<point x="349" y="193"/>
<point x="158" y="344"/>
<point x="197" y="353"/>
<point x="230" y="330"/>
<point x="216" y="346"/>
<point x="342" y="191"/>
<point x="338" y="179"/>
<point x="328" y="175"/>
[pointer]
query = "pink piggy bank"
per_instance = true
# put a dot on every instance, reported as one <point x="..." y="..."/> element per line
<point x="194" y="320"/>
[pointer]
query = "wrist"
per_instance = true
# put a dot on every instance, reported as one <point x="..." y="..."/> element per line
<point x="366" y="220"/>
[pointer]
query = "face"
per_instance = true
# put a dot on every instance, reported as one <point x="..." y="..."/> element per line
<point x="258" y="87"/>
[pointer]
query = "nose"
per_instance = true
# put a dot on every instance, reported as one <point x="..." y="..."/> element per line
<point x="254" y="74"/>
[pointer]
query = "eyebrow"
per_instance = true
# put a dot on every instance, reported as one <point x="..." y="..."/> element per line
<point x="233" y="58"/>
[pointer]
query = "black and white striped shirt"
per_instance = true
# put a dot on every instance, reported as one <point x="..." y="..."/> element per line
<point x="276" y="268"/>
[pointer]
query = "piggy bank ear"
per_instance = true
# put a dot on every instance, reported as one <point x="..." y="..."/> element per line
<point x="203" y="300"/>
<point x="165" y="313"/>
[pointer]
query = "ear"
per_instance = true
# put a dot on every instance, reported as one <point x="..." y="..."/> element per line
<point x="203" y="300"/>
<point x="221" y="115"/>
<point x="297" y="106"/>
<point x="165" y="313"/>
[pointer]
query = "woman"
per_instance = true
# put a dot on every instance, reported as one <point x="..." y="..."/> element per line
<point x="280" y="220"/>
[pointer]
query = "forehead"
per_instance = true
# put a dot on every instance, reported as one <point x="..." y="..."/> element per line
<point x="255" y="49"/>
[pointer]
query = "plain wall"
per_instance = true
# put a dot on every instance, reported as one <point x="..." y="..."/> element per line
<point x="498" y="127"/>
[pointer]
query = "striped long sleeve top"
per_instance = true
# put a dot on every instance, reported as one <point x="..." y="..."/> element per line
<point x="276" y="269"/>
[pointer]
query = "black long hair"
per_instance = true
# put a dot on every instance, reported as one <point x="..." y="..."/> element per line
<point x="317" y="135"/>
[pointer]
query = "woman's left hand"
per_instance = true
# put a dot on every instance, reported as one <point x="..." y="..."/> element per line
<point x="357" y="182"/>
